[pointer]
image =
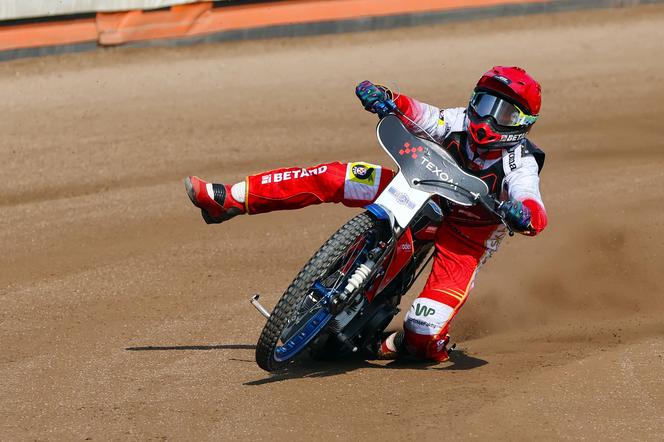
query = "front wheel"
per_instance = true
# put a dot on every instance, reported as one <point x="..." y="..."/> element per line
<point x="300" y="315"/>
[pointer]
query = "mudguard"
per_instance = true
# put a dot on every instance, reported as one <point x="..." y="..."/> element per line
<point x="427" y="166"/>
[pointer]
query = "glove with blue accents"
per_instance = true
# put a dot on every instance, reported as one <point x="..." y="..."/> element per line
<point x="516" y="215"/>
<point x="371" y="95"/>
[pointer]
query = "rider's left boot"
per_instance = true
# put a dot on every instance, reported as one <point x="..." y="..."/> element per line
<point x="218" y="202"/>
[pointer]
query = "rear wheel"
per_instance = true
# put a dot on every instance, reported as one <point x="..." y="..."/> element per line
<point x="300" y="315"/>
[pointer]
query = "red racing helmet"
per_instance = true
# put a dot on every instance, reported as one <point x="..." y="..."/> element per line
<point x="504" y="106"/>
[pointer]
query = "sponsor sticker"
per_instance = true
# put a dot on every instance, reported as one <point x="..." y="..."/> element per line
<point x="427" y="317"/>
<point x="363" y="173"/>
<point x="406" y="247"/>
<point x="438" y="172"/>
<point x="296" y="174"/>
<point x="513" y="137"/>
<point x="362" y="180"/>
<point x="512" y="160"/>
<point x="423" y="310"/>
<point x="410" y="150"/>
<point x="401" y="197"/>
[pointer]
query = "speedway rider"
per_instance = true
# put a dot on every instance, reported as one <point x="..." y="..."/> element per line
<point x="488" y="140"/>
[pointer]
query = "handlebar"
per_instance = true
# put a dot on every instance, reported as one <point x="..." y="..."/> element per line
<point x="497" y="204"/>
<point x="489" y="203"/>
<point x="386" y="107"/>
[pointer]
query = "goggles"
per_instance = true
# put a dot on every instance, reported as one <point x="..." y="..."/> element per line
<point x="504" y="112"/>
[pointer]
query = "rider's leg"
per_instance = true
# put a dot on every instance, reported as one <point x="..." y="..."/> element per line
<point x="459" y="252"/>
<point x="352" y="184"/>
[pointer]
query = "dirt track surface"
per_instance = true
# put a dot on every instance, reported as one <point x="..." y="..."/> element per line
<point x="124" y="316"/>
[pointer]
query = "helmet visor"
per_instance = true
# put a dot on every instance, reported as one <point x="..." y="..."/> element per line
<point x="504" y="112"/>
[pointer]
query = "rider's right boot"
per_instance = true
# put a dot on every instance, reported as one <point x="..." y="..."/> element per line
<point x="391" y="346"/>
<point x="216" y="201"/>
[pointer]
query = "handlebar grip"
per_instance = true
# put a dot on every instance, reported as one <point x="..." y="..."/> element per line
<point x="495" y="209"/>
<point x="385" y="107"/>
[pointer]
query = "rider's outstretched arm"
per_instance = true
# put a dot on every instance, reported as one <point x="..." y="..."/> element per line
<point x="418" y="115"/>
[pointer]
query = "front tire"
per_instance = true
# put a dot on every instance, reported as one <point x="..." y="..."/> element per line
<point x="333" y="255"/>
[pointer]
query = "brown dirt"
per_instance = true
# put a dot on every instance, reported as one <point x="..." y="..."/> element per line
<point x="124" y="316"/>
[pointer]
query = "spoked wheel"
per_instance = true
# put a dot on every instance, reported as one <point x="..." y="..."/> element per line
<point x="301" y="313"/>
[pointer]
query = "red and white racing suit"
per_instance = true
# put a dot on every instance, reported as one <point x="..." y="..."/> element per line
<point x="467" y="236"/>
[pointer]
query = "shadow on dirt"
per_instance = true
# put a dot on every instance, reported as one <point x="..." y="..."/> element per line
<point x="315" y="369"/>
<point x="462" y="361"/>
<point x="195" y="347"/>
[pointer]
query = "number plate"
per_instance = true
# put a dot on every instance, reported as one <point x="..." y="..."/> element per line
<point x="402" y="200"/>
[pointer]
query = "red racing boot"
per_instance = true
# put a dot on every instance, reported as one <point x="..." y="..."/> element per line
<point x="392" y="346"/>
<point x="216" y="201"/>
<point x="437" y="349"/>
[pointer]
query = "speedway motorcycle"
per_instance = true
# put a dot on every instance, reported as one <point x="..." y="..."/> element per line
<point x="346" y="295"/>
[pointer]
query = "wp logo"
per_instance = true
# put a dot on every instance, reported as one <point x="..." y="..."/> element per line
<point x="423" y="310"/>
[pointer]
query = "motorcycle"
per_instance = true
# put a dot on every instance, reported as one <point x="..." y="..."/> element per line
<point x="347" y="294"/>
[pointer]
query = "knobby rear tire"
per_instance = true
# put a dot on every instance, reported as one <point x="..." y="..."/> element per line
<point x="316" y="267"/>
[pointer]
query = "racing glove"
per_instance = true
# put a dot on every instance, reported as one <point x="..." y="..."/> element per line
<point x="516" y="215"/>
<point x="372" y="94"/>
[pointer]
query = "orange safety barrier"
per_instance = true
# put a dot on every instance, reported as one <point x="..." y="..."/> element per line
<point x="295" y="12"/>
<point x="36" y="35"/>
<point x="181" y="20"/>
<point x="201" y="18"/>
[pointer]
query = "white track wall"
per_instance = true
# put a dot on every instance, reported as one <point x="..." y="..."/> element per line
<point x="15" y="9"/>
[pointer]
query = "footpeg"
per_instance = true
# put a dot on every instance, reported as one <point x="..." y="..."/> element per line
<point x="262" y="310"/>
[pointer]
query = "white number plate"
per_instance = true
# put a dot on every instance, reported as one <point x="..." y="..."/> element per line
<point x="402" y="200"/>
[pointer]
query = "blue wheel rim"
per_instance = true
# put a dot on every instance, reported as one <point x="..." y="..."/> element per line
<point x="304" y="335"/>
